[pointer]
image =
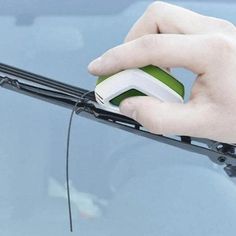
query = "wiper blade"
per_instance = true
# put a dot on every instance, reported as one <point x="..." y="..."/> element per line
<point x="67" y="96"/>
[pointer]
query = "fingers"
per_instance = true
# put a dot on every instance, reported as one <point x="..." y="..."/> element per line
<point x="165" y="118"/>
<point x="162" y="50"/>
<point x="165" y="18"/>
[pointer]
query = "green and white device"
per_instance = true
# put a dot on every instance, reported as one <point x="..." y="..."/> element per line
<point x="152" y="81"/>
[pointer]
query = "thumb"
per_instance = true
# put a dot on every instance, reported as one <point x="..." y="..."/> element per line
<point x="165" y="118"/>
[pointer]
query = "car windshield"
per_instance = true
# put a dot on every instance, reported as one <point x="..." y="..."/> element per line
<point x="121" y="184"/>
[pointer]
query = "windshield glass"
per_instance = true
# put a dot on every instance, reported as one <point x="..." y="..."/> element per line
<point x="121" y="184"/>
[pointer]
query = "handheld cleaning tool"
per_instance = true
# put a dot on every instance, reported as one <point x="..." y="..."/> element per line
<point x="152" y="81"/>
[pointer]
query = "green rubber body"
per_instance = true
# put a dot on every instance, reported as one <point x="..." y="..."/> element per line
<point x="157" y="73"/>
<point x="130" y="93"/>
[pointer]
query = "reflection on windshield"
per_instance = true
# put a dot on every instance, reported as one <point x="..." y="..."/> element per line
<point x="86" y="204"/>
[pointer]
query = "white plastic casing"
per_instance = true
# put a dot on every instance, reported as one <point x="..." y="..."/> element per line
<point x="133" y="79"/>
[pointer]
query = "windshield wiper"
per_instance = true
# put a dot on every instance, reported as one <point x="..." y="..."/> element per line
<point x="67" y="96"/>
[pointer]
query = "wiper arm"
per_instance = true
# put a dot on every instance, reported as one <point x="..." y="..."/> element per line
<point x="67" y="96"/>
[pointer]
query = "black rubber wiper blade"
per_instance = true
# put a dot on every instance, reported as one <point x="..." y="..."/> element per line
<point x="67" y="96"/>
<point x="40" y="80"/>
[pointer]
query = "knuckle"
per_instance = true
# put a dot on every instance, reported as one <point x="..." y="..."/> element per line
<point x="225" y="25"/>
<point x="220" y="43"/>
<point x="157" y="5"/>
<point x="156" y="10"/>
<point x="148" y="41"/>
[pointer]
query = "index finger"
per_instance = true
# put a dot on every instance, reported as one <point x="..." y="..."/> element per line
<point x="173" y="50"/>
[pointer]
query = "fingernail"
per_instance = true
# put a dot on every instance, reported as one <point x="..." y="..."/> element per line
<point x="127" y="109"/>
<point x="94" y="65"/>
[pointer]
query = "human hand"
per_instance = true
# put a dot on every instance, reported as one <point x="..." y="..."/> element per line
<point x="170" y="36"/>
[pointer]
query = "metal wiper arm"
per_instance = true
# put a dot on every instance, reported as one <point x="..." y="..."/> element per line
<point x="67" y="96"/>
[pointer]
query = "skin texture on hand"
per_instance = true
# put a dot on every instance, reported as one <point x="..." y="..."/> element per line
<point x="202" y="44"/>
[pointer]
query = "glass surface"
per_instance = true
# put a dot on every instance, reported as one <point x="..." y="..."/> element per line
<point x="122" y="184"/>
